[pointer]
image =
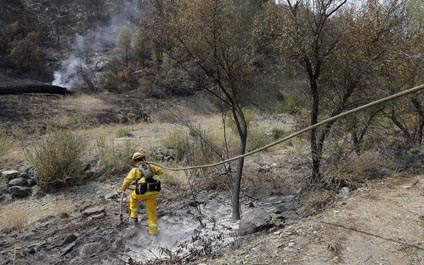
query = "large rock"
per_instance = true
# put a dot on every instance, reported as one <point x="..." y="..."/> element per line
<point x="26" y="172"/>
<point x="93" y="210"/>
<point x="163" y="155"/>
<point x="4" y="190"/>
<point x="19" y="191"/>
<point x="91" y="249"/>
<point x="10" y="174"/>
<point x="18" y="182"/>
<point x="253" y="221"/>
<point x="5" y="198"/>
<point x="69" y="239"/>
<point x="37" y="192"/>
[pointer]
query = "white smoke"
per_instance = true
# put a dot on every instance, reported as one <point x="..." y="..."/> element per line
<point x="95" y="47"/>
<point x="70" y="74"/>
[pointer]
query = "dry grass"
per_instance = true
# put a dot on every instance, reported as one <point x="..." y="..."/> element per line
<point x="20" y="215"/>
<point x="18" y="133"/>
<point x="296" y="147"/>
<point x="85" y="103"/>
<point x="113" y="160"/>
<point x="316" y="202"/>
<point x="64" y="207"/>
<point x="5" y="144"/>
<point x="61" y="122"/>
<point x="122" y="132"/>
<point x="14" y="216"/>
<point x="361" y="168"/>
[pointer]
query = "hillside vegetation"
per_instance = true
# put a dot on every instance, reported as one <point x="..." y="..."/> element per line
<point x="190" y="83"/>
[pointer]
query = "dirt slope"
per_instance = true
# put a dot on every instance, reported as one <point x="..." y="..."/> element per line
<point x="382" y="223"/>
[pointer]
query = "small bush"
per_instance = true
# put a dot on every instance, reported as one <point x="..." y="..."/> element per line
<point x="56" y="160"/>
<point x="113" y="161"/>
<point x="123" y="132"/>
<point x="368" y="165"/>
<point x="64" y="208"/>
<point x="294" y="101"/>
<point x="249" y="115"/>
<point x="179" y="141"/>
<point x="316" y="202"/>
<point x="5" y="144"/>
<point x="196" y="147"/>
<point x="62" y="122"/>
<point x="257" y="138"/>
<point x="27" y="55"/>
<point x="14" y="217"/>
<point x="278" y="133"/>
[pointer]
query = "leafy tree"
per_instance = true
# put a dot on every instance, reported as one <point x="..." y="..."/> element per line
<point x="213" y="39"/>
<point x="18" y="30"/>
<point x="123" y="43"/>
<point x="335" y="48"/>
<point x="27" y="55"/>
<point x="142" y="47"/>
<point x="115" y="76"/>
<point x="405" y="69"/>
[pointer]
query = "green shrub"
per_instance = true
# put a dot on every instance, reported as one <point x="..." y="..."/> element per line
<point x="123" y="132"/>
<point x="294" y="102"/>
<point x="113" y="161"/>
<point x="278" y="133"/>
<point x="179" y="141"/>
<point x="257" y="138"/>
<point x="27" y="55"/>
<point x="196" y="147"/>
<point x="57" y="160"/>
<point x="249" y="115"/>
<point x="5" y="144"/>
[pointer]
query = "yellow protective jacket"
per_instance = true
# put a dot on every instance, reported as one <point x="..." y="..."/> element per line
<point x="135" y="175"/>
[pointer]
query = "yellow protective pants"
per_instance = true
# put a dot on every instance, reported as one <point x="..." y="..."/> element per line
<point x="150" y="200"/>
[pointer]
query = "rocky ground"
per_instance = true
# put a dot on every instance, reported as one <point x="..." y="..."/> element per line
<point x="189" y="228"/>
<point x="379" y="222"/>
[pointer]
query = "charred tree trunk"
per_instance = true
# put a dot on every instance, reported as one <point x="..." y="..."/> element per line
<point x="33" y="88"/>
<point x="242" y="130"/>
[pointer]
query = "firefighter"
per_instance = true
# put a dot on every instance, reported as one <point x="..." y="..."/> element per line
<point x="147" y="189"/>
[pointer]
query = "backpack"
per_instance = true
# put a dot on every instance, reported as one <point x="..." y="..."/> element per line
<point x="151" y="184"/>
<point x="146" y="171"/>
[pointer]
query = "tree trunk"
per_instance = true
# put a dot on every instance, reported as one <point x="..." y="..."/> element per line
<point x="406" y="134"/>
<point x="315" y="152"/>
<point x="237" y="183"/>
<point x="242" y="130"/>
<point x="419" y="132"/>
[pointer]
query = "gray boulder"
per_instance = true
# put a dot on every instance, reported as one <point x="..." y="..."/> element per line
<point x="37" y="192"/>
<point x="26" y="172"/>
<point x="163" y="155"/>
<point x="253" y="221"/>
<point x="5" y="198"/>
<point x="19" y="191"/>
<point x="112" y="196"/>
<point x="4" y="190"/>
<point x="93" y="210"/>
<point x="18" y="182"/>
<point x="10" y="174"/>
<point x="32" y="182"/>
<point x="69" y="239"/>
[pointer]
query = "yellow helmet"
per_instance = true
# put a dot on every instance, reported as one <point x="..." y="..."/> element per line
<point x="137" y="156"/>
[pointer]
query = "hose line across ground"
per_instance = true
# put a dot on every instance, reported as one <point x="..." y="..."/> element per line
<point x="341" y="115"/>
